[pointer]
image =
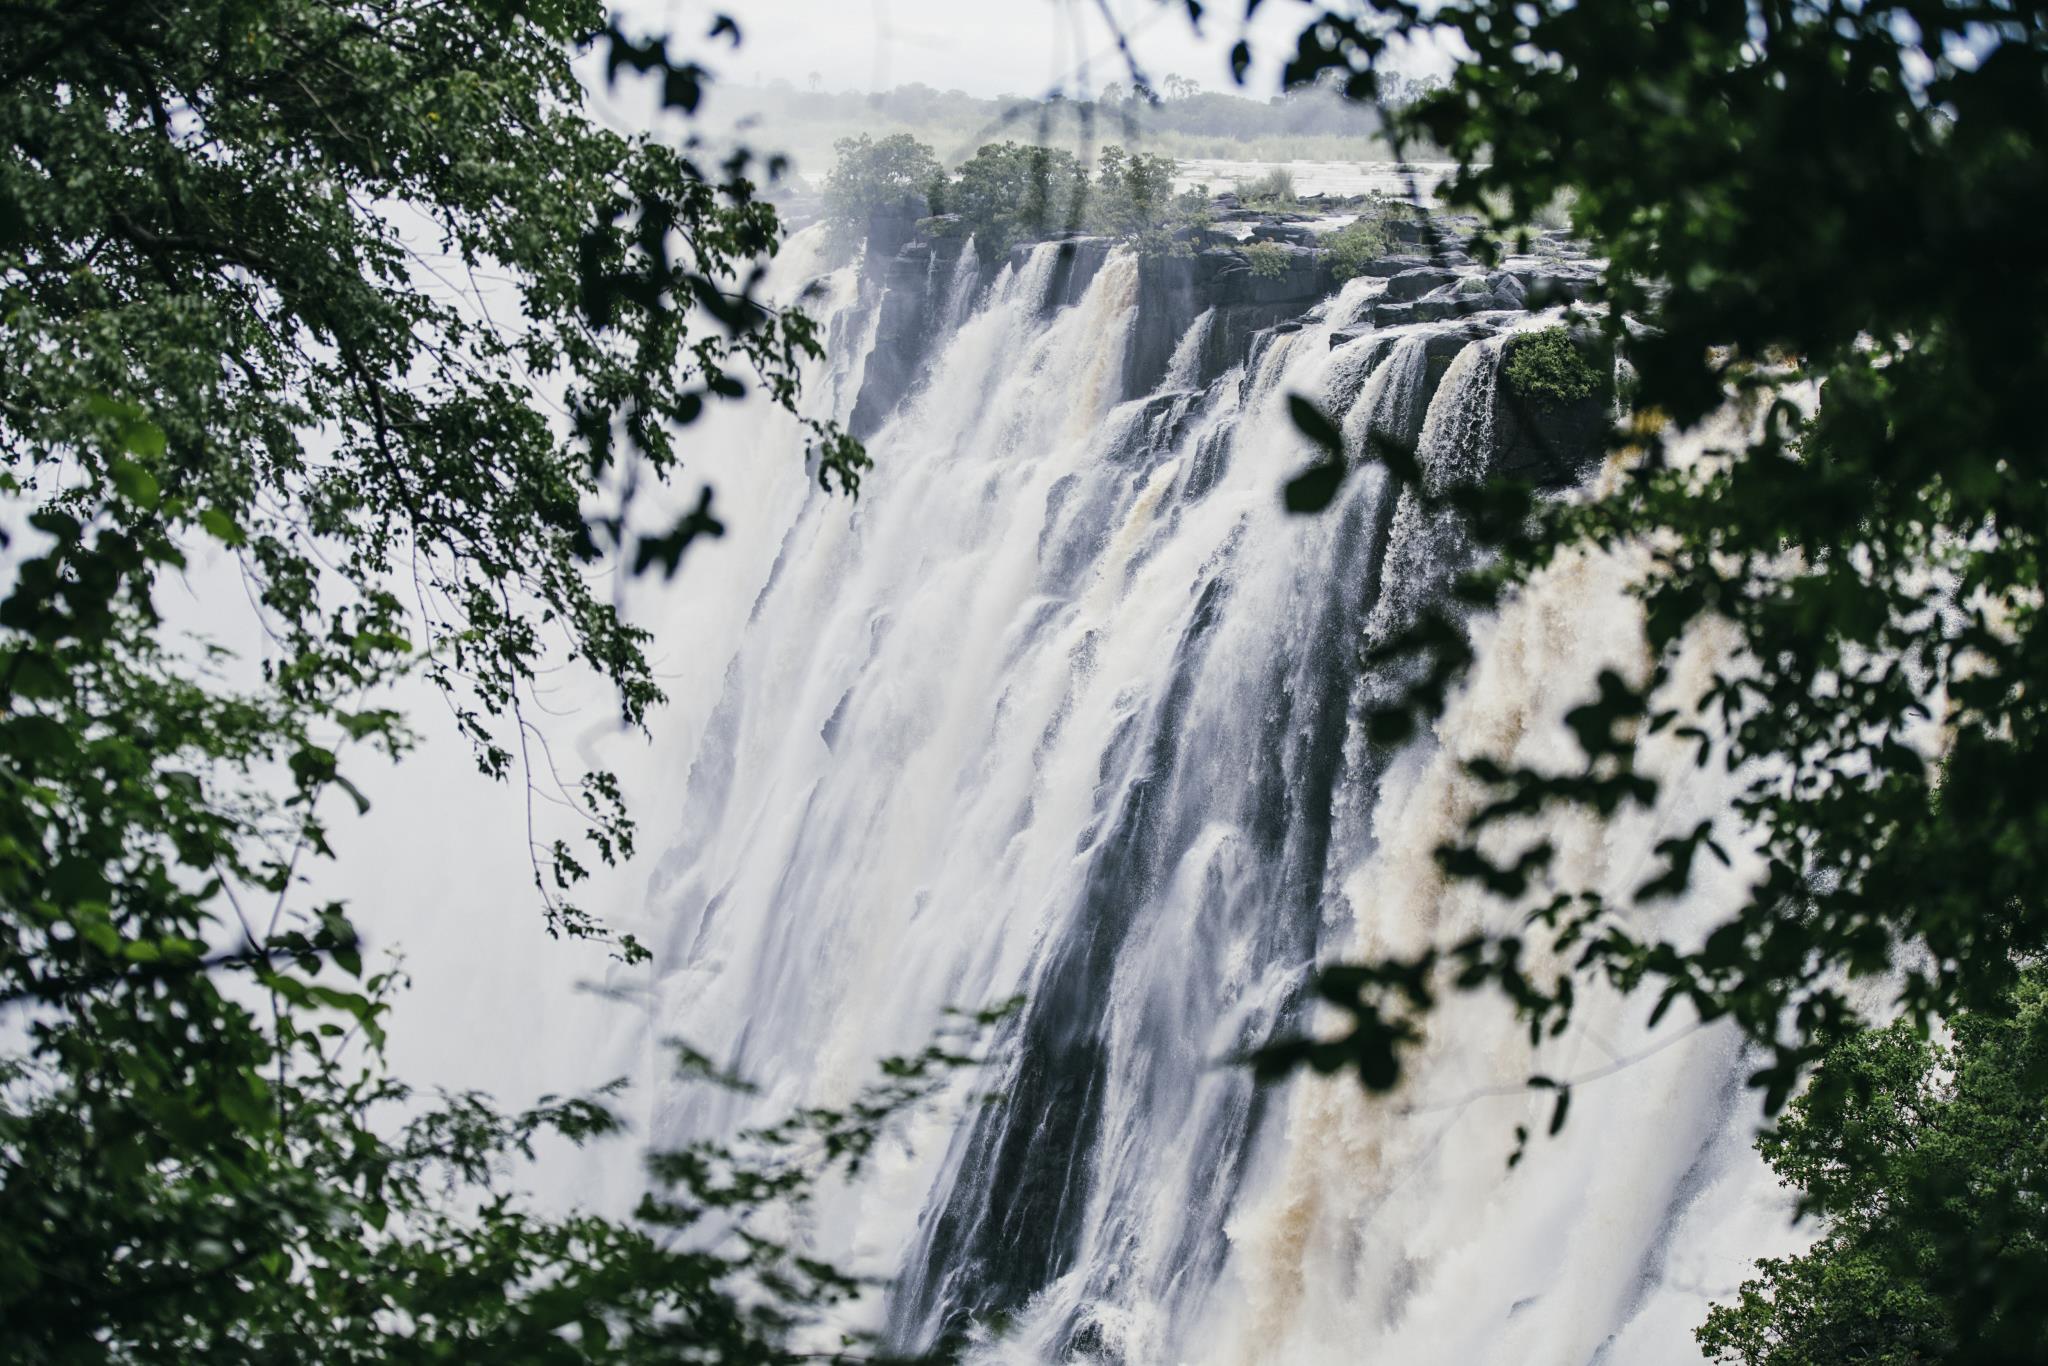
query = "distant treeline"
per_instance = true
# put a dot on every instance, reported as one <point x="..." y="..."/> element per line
<point x="1008" y="193"/>
<point x="1179" y="120"/>
<point x="1011" y="192"/>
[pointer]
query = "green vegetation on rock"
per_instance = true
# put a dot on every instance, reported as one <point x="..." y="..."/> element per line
<point x="1547" y="370"/>
<point x="1358" y="242"/>
<point x="1267" y="259"/>
<point x="1134" y="200"/>
<point x="1273" y="190"/>
<point x="1011" y="192"/>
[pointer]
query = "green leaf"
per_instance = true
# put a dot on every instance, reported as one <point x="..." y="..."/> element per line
<point x="135" y="483"/>
<point x="1314" y="489"/>
<point x="1312" y="422"/>
<point x="144" y="438"/>
<point x="355" y="793"/>
<point x="222" y="527"/>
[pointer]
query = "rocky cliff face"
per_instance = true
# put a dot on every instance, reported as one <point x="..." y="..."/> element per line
<point x="1203" y="313"/>
<point x="905" y="279"/>
<point x="1175" y="291"/>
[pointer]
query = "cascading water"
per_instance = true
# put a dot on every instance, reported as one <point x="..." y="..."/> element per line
<point x="1067" y="706"/>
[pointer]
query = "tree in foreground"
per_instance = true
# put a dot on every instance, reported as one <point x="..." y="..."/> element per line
<point x="1928" y="1166"/>
<point x="1788" y="195"/>
<point x="239" y="254"/>
<point x="1828" y="210"/>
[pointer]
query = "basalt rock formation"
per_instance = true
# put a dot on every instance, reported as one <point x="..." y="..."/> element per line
<point x="1203" y="311"/>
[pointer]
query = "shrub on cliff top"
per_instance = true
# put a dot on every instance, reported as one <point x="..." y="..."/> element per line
<point x="1546" y="369"/>
<point x="1352" y="245"/>
<point x="1273" y="189"/>
<point x="1133" y="192"/>
<point x="1010" y="192"/>
<point x="1267" y="259"/>
<point x="1134" y="201"/>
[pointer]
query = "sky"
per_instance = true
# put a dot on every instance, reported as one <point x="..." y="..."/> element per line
<point x="984" y="47"/>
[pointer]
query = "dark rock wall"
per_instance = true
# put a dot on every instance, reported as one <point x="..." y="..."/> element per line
<point x="1173" y="291"/>
<point x="907" y="278"/>
<point x="1074" y="267"/>
<point x="908" y="289"/>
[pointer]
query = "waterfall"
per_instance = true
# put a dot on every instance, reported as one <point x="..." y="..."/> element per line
<point x="959" y="295"/>
<point x="1067" y="706"/>
<point x="1185" y="362"/>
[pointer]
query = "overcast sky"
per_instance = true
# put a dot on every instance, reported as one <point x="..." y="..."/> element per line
<point x="985" y="47"/>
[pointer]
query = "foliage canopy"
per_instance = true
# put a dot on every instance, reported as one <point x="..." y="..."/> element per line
<point x="895" y="174"/>
<point x="1012" y="192"/>
<point x="222" y="333"/>
<point x="1790" y="197"/>
<point x="1928" y="1164"/>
